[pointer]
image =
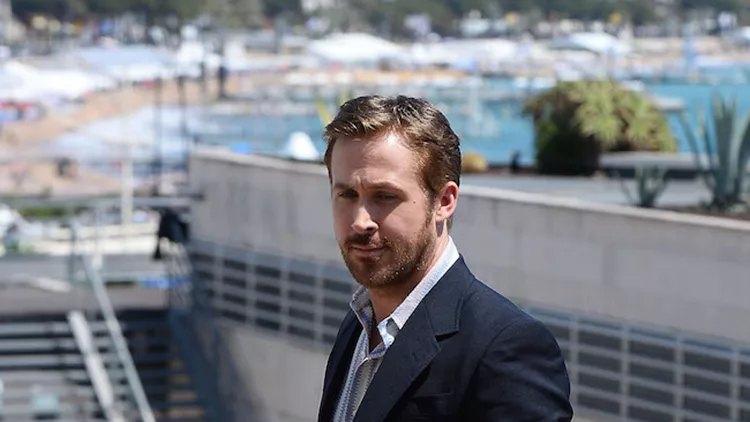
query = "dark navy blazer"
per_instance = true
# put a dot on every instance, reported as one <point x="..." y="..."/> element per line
<point x="466" y="354"/>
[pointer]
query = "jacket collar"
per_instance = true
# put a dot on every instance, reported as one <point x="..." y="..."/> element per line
<point x="436" y="317"/>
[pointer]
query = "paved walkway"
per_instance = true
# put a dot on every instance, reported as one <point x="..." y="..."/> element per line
<point x="20" y="267"/>
<point x="599" y="189"/>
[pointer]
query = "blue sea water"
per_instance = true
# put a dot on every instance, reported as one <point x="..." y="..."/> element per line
<point x="497" y="134"/>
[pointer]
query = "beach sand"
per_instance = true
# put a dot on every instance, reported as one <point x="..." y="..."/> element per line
<point x="102" y="105"/>
<point x="35" y="175"/>
<point x="42" y="179"/>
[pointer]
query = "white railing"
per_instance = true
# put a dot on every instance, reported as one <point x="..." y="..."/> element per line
<point x="121" y="347"/>
<point x="104" y="231"/>
<point x="94" y="366"/>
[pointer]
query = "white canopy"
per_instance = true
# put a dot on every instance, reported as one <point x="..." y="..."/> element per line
<point x="595" y="42"/>
<point x="355" y="48"/>
<point x="22" y="82"/>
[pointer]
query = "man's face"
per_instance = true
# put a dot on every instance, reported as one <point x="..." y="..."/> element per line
<point x="384" y="222"/>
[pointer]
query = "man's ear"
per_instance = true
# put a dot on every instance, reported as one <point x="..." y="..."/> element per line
<point x="446" y="202"/>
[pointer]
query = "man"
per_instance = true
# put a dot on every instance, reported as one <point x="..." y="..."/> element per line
<point x="425" y="340"/>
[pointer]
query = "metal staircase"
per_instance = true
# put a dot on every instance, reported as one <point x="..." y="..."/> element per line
<point x="97" y="365"/>
<point x="167" y="385"/>
<point x="45" y="374"/>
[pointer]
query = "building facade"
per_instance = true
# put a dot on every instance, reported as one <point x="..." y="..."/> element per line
<point x="649" y="307"/>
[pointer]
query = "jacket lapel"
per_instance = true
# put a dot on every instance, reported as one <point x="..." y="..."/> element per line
<point x="416" y="344"/>
<point x="413" y="350"/>
<point x="338" y="365"/>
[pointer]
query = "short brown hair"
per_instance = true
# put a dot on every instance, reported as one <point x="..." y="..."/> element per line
<point x="425" y="130"/>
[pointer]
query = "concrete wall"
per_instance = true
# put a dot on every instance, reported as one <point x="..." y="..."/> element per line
<point x="291" y="373"/>
<point x="662" y="269"/>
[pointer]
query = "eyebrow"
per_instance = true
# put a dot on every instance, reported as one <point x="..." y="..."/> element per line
<point x="378" y="185"/>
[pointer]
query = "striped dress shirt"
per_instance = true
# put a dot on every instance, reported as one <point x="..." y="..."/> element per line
<point x="365" y="364"/>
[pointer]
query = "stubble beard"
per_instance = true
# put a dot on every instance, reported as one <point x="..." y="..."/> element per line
<point x="398" y="263"/>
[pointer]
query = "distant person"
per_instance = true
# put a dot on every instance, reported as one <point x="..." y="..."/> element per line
<point x="203" y="73"/>
<point x="12" y="237"/>
<point x="181" y="88"/>
<point x="20" y="111"/>
<point x="424" y="340"/>
<point x="223" y="74"/>
<point x="515" y="162"/>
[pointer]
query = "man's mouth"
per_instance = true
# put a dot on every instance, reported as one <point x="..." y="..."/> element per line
<point x="367" y="250"/>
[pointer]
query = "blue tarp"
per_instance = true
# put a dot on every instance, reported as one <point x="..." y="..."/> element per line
<point x="162" y="282"/>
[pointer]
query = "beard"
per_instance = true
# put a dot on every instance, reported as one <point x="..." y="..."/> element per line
<point x="400" y="259"/>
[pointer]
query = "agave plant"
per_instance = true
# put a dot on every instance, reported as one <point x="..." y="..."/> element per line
<point x="650" y="184"/>
<point x="727" y="144"/>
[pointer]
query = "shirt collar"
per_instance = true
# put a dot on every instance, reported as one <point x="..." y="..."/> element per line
<point x="390" y="326"/>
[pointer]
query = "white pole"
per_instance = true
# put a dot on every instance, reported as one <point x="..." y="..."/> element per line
<point x="126" y="194"/>
<point x="96" y="256"/>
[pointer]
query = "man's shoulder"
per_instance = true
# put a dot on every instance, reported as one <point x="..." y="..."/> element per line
<point x="487" y="312"/>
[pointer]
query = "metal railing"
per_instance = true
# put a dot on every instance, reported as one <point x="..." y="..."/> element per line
<point x="95" y="367"/>
<point x="118" y="339"/>
<point x="223" y="386"/>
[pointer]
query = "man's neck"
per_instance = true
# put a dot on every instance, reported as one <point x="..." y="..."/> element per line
<point x="386" y="299"/>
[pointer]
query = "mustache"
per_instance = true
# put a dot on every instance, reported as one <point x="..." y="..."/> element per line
<point x="366" y="239"/>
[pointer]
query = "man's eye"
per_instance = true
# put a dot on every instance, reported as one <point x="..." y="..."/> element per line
<point x="385" y="196"/>
<point x="348" y="194"/>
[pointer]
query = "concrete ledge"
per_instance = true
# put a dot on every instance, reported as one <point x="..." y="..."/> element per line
<point x="219" y="155"/>
<point x="625" y="211"/>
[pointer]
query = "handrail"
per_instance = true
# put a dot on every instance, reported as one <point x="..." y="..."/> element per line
<point x="94" y="366"/>
<point x="121" y="346"/>
<point x="178" y="267"/>
<point x="230" y="394"/>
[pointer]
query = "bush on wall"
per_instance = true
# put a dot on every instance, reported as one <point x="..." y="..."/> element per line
<point x="576" y="121"/>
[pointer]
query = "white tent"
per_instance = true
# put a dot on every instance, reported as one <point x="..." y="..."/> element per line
<point x="31" y="83"/>
<point x="742" y="36"/>
<point x="299" y="146"/>
<point x="596" y="42"/>
<point x="460" y="52"/>
<point x="355" y="48"/>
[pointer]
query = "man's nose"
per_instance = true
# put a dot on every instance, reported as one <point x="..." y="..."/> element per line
<point x="363" y="221"/>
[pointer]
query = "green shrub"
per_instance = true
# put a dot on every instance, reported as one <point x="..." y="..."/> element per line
<point x="44" y="213"/>
<point x="576" y="121"/>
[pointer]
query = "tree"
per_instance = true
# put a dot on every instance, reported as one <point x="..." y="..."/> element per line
<point x="276" y="8"/>
<point x="641" y="12"/>
<point x="236" y="13"/>
<point x="158" y="11"/>
<point x="63" y="10"/>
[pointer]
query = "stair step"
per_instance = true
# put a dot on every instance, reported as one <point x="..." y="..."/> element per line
<point x="65" y="344"/>
<point x="76" y="419"/>
<point x="45" y="353"/>
<point x="182" y="419"/>
<point x="47" y="328"/>
<point x="21" y="376"/>
<point x="26" y="377"/>
<point x="72" y="390"/>
<point x="63" y="409"/>
<point x="37" y="345"/>
<point x="69" y="393"/>
<point x="74" y="360"/>
<point x="38" y="329"/>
